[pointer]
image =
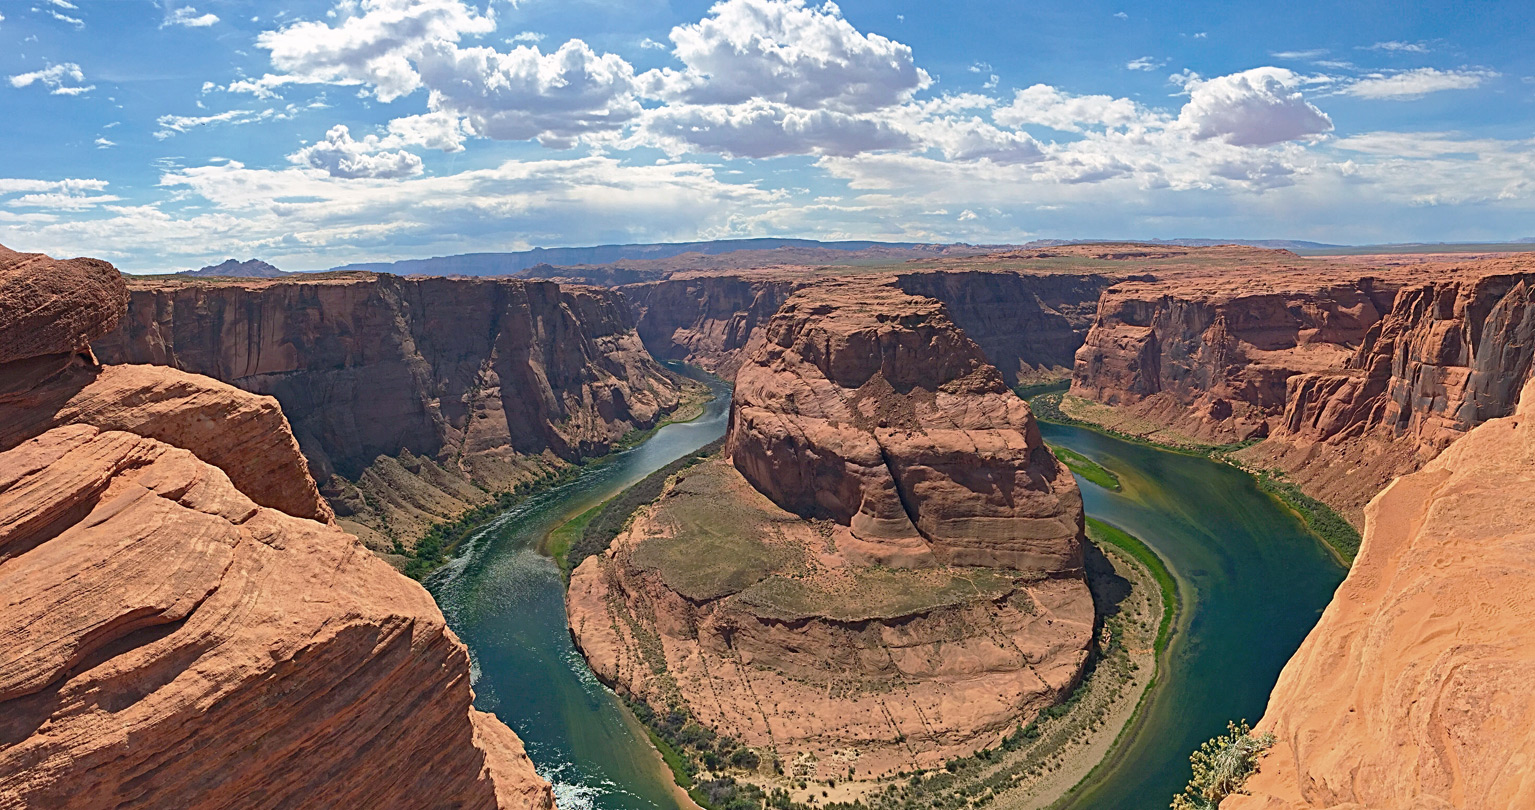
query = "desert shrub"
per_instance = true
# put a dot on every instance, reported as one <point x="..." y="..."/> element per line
<point x="1221" y="766"/>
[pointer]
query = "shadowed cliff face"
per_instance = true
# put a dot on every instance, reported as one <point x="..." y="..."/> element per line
<point x="888" y="560"/>
<point x="1413" y="689"/>
<point x="1215" y="362"/>
<point x="712" y="322"/>
<point x="181" y="624"/>
<point x="468" y="382"/>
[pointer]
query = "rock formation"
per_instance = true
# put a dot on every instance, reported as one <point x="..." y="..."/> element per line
<point x="233" y="268"/>
<point x="180" y="624"/>
<point x="884" y="572"/>
<point x="1413" y="689"/>
<point x="1449" y="355"/>
<point x="712" y="322"/>
<point x="1212" y="357"/>
<point x="485" y="383"/>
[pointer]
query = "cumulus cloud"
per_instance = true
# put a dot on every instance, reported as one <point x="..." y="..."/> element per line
<point x="187" y="17"/>
<point x="339" y="155"/>
<point x="1047" y="106"/>
<point x="1411" y="84"/>
<point x="761" y="129"/>
<point x="786" y="52"/>
<point x="63" y="79"/>
<point x="72" y="194"/>
<point x="1145" y="63"/>
<point x="1257" y="107"/>
<point x="437" y="130"/>
<point x="553" y="98"/>
<point x="373" y="45"/>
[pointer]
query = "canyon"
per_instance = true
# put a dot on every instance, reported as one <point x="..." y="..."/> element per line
<point x="183" y="624"/>
<point x="884" y="570"/>
<point x="413" y="400"/>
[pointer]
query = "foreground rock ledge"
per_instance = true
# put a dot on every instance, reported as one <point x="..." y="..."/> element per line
<point x="169" y="638"/>
<point x="886" y="571"/>
<point x="1413" y="691"/>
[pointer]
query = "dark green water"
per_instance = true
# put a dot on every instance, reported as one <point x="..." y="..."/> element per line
<point x="1253" y="581"/>
<point x="507" y="603"/>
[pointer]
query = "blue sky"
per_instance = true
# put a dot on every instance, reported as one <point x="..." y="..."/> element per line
<point x="166" y="135"/>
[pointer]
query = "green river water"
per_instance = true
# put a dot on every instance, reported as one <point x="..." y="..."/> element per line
<point x="1253" y="583"/>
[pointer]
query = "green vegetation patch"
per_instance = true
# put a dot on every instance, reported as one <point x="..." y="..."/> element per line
<point x="722" y="540"/>
<point x="1087" y="468"/>
<point x="1221" y="766"/>
<point x="873" y="593"/>
<point x="1320" y="519"/>
<point x="1106" y="534"/>
<point x="597" y="533"/>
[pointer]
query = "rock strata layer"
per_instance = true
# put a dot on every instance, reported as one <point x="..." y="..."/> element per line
<point x="491" y="383"/>
<point x="180" y="625"/>
<point x="884" y="571"/>
<point x="1413" y="689"/>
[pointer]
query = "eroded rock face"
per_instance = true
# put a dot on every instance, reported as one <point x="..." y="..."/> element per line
<point x="170" y="639"/>
<point x="1027" y="325"/>
<point x="713" y="322"/>
<point x="868" y="407"/>
<point x="494" y="381"/>
<point x="53" y="306"/>
<point x="883" y="572"/>
<point x="1413" y="689"/>
<point x="1214" y="359"/>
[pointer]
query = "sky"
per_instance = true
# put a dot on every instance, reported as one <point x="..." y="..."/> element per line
<point x="164" y="135"/>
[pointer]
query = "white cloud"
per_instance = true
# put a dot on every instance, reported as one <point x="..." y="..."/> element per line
<point x="1257" y="107"/>
<point x="64" y="18"/>
<point x="73" y="194"/>
<point x="437" y="130"/>
<point x="171" y="125"/>
<point x="786" y="52"/>
<point x="373" y="45"/>
<point x="103" y="143"/>
<point x="1400" y="47"/>
<point x="1047" y="106"/>
<point x="762" y="129"/>
<point x="63" y="79"/>
<point x="1411" y="84"/>
<point x="65" y="4"/>
<point x="339" y="155"/>
<point x="555" y="98"/>
<point x="1144" y="63"/>
<point x="187" y="17"/>
<point x="1302" y="55"/>
<point x="526" y="36"/>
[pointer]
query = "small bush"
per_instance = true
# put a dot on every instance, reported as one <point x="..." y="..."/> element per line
<point x="1221" y="766"/>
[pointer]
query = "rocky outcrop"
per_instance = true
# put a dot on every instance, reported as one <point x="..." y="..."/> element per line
<point x="713" y="322"/>
<point x="884" y="571"/>
<point x="494" y="382"/>
<point x="868" y="407"/>
<point x="1449" y="355"/>
<point x="1413" y="689"/>
<point x="1029" y="326"/>
<point x="173" y="637"/>
<point x="1213" y="358"/>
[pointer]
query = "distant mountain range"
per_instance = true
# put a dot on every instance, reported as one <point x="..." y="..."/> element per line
<point x="505" y="264"/>
<point x="1272" y="244"/>
<point x="250" y="268"/>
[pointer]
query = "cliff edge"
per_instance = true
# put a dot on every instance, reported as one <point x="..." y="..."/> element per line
<point x="181" y="625"/>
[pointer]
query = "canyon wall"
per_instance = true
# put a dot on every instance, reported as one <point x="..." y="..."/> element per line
<point x="1029" y="326"/>
<point x="1212" y="361"/>
<point x="883" y="571"/>
<point x="1450" y="355"/>
<point x="181" y="625"/>
<point x="1413" y="689"/>
<point x="710" y="321"/>
<point x="412" y="398"/>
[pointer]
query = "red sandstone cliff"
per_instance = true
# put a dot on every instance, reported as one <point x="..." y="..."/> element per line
<point x="1212" y="357"/>
<point x="884" y="572"/>
<point x="180" y="624"/>
<point x="1448" y="356"/>
<point x="424" y="392"/>
<point x="1413" y="691"/>
<point x="712" y="322"/>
